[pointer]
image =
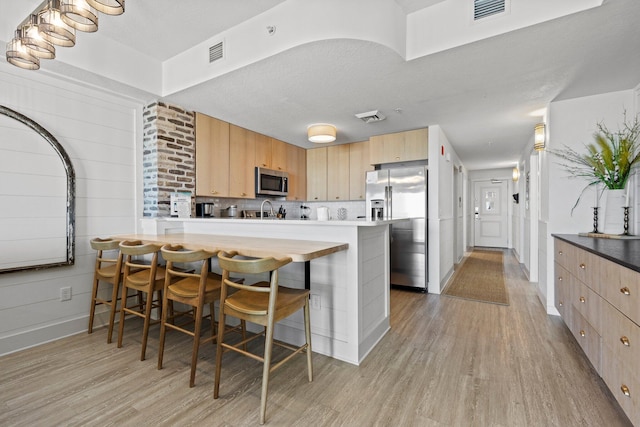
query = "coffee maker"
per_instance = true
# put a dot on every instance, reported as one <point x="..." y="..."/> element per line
<point x="377" y="209"/>
<point x="204" y="210"/>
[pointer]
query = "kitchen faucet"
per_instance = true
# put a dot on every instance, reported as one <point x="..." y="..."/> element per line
<point x="271" y="213"/>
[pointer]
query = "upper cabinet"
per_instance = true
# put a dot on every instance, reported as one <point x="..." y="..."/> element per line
<point x="399" y="147"/>
<point x="359" y="164"/>
<point x="338" y="172"/>
<point x="262" y="154"/>
<point x="297" y="169"/>
<point x="317" y="174"/>
<point x="242" y="146"/>
<point x="212" y="156"/>
<point x="279" y="155"/>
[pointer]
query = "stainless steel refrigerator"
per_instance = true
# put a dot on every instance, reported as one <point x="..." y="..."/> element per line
<point x="402" y="193"/>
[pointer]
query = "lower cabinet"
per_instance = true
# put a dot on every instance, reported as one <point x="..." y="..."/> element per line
<point x="600" y="310"/>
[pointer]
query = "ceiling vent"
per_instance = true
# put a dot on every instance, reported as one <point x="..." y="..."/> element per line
<point x="484" y="8"/>
<point x="216" y="52"/>
<point x="371" y="116"/>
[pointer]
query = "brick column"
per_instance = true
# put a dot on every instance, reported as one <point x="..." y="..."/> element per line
<point x="168" y="156"/>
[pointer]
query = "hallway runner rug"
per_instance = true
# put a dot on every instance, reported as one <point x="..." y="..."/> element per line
<point x="480" y="278"/>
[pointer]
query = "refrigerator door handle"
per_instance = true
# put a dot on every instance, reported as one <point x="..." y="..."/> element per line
<point x="389" y="198"/>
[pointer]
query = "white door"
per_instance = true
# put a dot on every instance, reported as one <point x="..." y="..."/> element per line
<point x="490" y="214"/>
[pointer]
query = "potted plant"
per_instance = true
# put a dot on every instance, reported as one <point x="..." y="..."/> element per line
<point x="608" y="162"/>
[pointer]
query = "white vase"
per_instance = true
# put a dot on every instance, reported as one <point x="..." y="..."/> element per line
<point x="613" y="202"/>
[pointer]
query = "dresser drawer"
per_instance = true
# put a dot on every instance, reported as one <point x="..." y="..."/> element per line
<point x="563" y="293"/>
<point x="621" y="287"/>
<point x="622" y="336"/>
<point x="588" y="303"/>
<point x="565" y="253"/>
<point x="623" y="386"/>
<point x="587" y="337"/>
<point x="586" y="268"/>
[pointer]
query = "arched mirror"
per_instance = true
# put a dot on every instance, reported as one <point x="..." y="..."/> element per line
<point x="37" y="196"/>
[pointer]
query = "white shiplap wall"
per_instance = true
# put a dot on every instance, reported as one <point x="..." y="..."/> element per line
<point x="101" y="134"/>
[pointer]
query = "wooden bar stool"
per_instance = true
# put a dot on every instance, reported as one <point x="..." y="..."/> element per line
<point x="141" y="277"/>
<point x="193" y="289"/>
<point x="108" y="270"/>
<point x="264" y="303"/>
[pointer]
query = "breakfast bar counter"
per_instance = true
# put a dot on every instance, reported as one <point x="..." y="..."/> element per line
<point x="348" y="276"/>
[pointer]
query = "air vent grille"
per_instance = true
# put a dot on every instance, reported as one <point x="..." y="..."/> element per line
<point x="484" y="8"/>
<point x="216" y="52"/>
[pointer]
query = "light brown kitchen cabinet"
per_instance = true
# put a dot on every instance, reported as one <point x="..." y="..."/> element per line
<point x="399" y="147"/>
<point x="242" y="144"/>
<point x="359" y="164"/>
<point x="262" y="155"/>
<point x="297" y="169"/>
<point x="212" y="156"/>
<point x="279" y="152"/>
<point x="317" y="174"/>
<point x="338" y="172"/>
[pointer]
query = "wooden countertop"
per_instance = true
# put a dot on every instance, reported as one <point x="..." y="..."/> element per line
<point x="298" y="250"/>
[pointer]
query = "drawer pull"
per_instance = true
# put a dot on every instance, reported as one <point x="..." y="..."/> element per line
<point x="625" y="291"/>
<point x="582" y="333"/>
<point x="582" y="300"/>
<point x="582" y="266"/>
<point x="560" y="253"/>
<point x="561" y="303"/>
<point x="560" y="279"/>
<point x="624" y="340"/>
<point x="625" y="390"/>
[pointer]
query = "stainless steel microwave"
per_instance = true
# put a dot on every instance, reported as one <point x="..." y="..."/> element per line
<point x="271" y="182"/>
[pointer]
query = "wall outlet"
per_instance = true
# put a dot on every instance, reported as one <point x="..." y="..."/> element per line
<point x="65" y="293"/>
<point x="314" y="301"/>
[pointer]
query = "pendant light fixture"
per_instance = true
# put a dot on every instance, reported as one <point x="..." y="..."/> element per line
<point x="34" y="42"/>
<point x="54" y="22"/>
<point x="19" y="55"/>
<point x="109" y="7"/>
<point x="79" y="15"/>
<point x="321" y="133"/>
<point x="52" y="28"/>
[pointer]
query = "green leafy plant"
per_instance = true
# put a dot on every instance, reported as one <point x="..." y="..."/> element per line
<point x="609" y="160"/>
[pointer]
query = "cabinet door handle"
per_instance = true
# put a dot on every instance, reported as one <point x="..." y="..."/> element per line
<point x="624" y="340"/>
<point x="625" y="291"/>
<point x="625" y="390"/>
<point x="582" y="266"/>
<point x="582" y="300"/>
<point x="582" y="333"/>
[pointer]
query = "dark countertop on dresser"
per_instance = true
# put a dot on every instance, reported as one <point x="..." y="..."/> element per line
<point x="625" y="252"/>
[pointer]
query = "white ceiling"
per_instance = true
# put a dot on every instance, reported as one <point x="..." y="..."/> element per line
<point x="481" y="93"/>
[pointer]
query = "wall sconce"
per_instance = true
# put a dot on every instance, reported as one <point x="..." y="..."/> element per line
<point x="321" y="133"/>
<point x="540" y="137"/>
<point x="516" y="174"/>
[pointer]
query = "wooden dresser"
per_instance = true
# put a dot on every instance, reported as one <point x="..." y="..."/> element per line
<point x="597" y="292"/>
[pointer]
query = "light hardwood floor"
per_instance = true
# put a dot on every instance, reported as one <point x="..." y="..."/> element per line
<point x="445" y="362"/>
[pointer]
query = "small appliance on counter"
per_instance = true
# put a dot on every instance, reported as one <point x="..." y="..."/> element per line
<point x="305" y="212"/>
<point x="204" y="210"/>
<point x="230" y="212"/>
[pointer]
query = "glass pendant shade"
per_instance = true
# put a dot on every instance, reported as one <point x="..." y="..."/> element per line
<point x="79" y="15"/>
<point x="53" y="29"/>
<point x="34" y="42"/>
<point x="19" y="55"/>
<point x="109" y="7"/>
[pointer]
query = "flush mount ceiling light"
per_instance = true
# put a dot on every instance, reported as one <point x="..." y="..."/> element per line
<point x="321" y="133"/>
<point x="539" y="140"/>
<point x="54" y="22"/>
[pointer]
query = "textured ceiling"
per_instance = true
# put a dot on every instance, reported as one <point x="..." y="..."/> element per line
<point x="481" y="93"/>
